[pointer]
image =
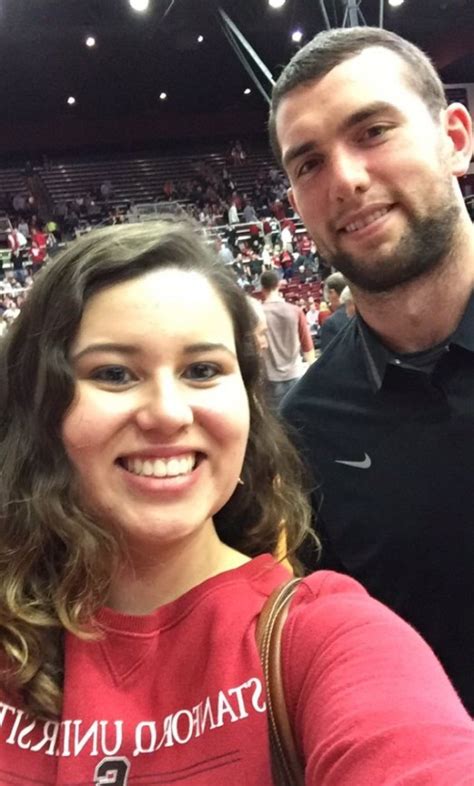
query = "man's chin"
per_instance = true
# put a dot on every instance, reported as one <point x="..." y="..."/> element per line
<point x="375" y="273"/>
<point x="418" y="251"/>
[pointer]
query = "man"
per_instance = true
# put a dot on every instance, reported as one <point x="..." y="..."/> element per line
<point x="287" y="336"/>
<point x="287" y="237"/>
<point x="232" y="214"/>
<point x="17" y="242"/>
<point x="260" y="331"/>
<point x="249" y="213"/>
<point x="333" y="289"/>
<point x="39" y="249"/>
<point x="224" y="254"/>
<point x="347" y="301"/>
<point x="373" y="153"/>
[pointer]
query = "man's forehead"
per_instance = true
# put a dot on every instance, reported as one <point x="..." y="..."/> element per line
<point x="375" y="75"/>
<point x="368" y="66"/>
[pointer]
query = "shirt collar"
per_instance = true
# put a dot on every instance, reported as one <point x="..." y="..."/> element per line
<point x="377" y="356"/>
<point x="463" y="336"/>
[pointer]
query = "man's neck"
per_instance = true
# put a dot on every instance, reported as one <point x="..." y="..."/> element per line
<point x="423" y="312"/>
<point x="268" y="297"/>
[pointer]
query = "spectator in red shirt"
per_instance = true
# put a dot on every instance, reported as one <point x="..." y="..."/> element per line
<point x="278" y="210"/>
<point x="39" y="248"/>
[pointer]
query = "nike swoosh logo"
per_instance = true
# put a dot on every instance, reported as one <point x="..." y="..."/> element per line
<point x="365" y="464"/>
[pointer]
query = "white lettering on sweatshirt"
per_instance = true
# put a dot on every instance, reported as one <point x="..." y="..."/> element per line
<point x="71" y="737"/>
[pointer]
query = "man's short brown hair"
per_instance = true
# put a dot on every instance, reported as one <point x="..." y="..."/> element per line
<point x="269" y="280"/>
<point x="336" y="281"/>
<point x="330" y="48"/>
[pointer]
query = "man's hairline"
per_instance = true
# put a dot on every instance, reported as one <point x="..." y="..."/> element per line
<point x="410" y="83"/>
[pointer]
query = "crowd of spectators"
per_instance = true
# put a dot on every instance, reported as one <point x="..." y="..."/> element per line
<point x="210" y="194"/>
<point x="12" y="296"/>
<point x="256" y="229"/>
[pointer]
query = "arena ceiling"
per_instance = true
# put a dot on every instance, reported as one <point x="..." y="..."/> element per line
<point x="44" y="59"/>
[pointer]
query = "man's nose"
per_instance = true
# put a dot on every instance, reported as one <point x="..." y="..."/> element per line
<point x="348" y="175"/>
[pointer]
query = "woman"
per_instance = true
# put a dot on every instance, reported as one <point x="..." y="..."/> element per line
<point x="138" y="514"/>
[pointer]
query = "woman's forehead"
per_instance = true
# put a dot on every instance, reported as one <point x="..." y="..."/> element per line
<point x="159" y="303"/>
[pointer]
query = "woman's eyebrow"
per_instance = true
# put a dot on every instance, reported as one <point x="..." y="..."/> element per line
<point x="206" y="346"/>
<point x="131" y="349"/>
<point x="108" y="346"/>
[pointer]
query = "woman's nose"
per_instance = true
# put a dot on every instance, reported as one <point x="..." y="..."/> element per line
<point x="165" y="406"/>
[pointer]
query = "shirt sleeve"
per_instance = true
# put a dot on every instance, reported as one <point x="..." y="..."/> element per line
<point x="369" y="703"/>
<point x="328" y="331"/>
<point x="304" y="332"/>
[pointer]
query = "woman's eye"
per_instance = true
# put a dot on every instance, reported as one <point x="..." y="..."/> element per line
<point x="113" y="375"/>
<point x="200" y="372"/>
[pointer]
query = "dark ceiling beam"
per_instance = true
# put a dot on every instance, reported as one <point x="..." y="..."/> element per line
<point x="451" y="47"/>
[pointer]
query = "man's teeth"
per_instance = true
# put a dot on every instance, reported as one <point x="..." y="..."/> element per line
<point x="364" y="222"/>
<point x="162" y="468"/>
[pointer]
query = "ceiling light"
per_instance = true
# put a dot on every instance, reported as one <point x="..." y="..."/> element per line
<point x="200" y="39"/>
<point x="139" y="5"/>
<point x="163" y="96"/>
<point x="71" y="100"/>
<point x="296" y="36"/>
<point x="90" y="41"/>
<point x="247" y="91"/>
<point x="395" y="3"/>
<point x="276" y="3"/>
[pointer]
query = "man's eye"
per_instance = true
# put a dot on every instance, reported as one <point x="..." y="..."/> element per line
<point x="113" y="375"/>
<point x="200" y="372"/>
<point x="308" y="166"/>
<point x="375" y="132"/>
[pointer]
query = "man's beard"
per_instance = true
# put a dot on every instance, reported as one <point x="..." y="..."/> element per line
<point x="424" y="246"/>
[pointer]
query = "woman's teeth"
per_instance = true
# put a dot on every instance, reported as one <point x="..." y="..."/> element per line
<point x="160" y="467"/>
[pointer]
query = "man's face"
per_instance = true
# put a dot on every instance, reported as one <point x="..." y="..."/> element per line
<point x="370" y="171"/>
<point x="333" y="299"/>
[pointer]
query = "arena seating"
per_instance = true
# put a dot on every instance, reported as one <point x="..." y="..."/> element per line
<point x="141" y="178"/>
<point x="13" y="180"/>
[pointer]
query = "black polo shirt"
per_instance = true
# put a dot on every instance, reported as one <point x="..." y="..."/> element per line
<point x="390" y="441"/>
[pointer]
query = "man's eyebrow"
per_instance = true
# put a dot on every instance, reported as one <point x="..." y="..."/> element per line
<point x="375" y="108"/>
<point x="365" y="113"/>
<point x="297" y="151"/>
<point x="131" y="349"/>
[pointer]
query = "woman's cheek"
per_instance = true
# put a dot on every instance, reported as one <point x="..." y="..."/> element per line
<point x="226" y="414"/>
<point x="92" y="417"/>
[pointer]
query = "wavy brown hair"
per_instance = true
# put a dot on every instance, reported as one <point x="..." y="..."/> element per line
<point x="56" y="562"/>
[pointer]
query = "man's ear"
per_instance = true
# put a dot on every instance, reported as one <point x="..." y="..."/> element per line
<point x="458" y="127"/>
<point x="291" y="199"/>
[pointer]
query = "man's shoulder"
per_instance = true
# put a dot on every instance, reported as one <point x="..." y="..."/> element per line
<point x="338" y="318"/>
<point x="331" y="371"/>
<point x="345" y="351"/>
<point x="281" y="307"/>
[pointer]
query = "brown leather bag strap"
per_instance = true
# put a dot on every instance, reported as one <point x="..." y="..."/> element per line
<point x="287" y="767"/>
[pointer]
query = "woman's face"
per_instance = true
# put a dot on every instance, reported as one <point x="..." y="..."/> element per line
<point x="158" y="427"/>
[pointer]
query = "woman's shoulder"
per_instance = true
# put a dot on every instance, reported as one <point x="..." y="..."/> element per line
<point x="330" y="608"/>
<point x="367" y="699"/>
<point x="343" y="642"/>
<point x="327" y="583"/>
<point x="329" y="599"/>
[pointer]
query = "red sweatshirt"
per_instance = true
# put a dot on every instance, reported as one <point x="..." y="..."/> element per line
<point x="176" y="697"/>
